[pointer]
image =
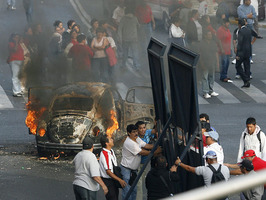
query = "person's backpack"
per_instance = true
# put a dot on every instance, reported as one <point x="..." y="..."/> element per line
<point x="258" y="136"/>
<point x="217" y="174"/>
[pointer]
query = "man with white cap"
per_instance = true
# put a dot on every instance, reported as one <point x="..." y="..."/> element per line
<point x="212" y="145"/>
<point x="206" y="171"/>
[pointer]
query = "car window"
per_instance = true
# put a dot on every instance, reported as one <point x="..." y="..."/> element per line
<point x="73" y="103"/>
<point x="140" y="95"/>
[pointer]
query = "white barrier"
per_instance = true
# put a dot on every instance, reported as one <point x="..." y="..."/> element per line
<point x="222" y="189"/>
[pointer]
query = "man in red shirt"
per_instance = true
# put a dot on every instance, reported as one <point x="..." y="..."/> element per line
<point x="81" y="54"/>
<point x="224" y="35"/>
<point x="146" y="20"/>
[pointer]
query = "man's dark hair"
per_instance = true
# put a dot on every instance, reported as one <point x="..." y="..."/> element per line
<point x="100" y="30"/>
<point x="131" y="127"/>
<point x="139" y="123"/>
<point x="70" y="22"/>
<point x="160" y="162"/>
<point x="251" y="120"/>
<point x="81" y="37"/>
<point x="204" y="115"/>
<point x="87" y="143"/>
<point x="103" y="140"/>
<point x="93" y="21"/>
<point x="241" y="22"/>
<point x="56" y="23"/>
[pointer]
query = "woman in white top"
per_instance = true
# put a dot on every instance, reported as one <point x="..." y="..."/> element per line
<point x="176" y="34"/>
<point x="99" y="61"/>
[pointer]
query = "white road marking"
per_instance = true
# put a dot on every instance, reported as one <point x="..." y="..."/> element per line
<point x="252" y="91"/>
<point x="224" y="95"/>
<point x="5" y="102"/>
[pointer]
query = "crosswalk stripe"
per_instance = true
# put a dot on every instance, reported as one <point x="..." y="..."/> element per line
<point x="224" y="95"/>
<point x="264" y="81"/>
<point x="202" y="101"/>
<point x="5" y="102"/>
<point x="252" y="91"/>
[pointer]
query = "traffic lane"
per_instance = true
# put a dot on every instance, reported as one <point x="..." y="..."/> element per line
<point x="27" y="177"/>
<point x="230" y="120"/>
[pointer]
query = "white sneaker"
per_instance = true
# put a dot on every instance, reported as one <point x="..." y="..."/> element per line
<point x="207" y="96"/>
<point x="234" y="61"/>
<point x="251" y="62"/>
<point x="214" y="94"/>
<point x="237" y="76"/>
<point x="250" y="77"/>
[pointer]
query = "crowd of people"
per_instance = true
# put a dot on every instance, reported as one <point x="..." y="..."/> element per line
<point x="195" y="30"/>
<point x="72" y="55"/>
<point x="160" y="179"/>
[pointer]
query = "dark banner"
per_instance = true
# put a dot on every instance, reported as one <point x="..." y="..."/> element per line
<point x="155" y="55"/>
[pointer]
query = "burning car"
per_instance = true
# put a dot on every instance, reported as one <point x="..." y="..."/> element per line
<point x="61" y="118"/>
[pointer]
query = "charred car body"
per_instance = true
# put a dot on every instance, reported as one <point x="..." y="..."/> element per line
<point x="61" y="118"/>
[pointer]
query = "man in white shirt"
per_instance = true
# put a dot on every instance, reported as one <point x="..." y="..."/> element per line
<point x="133" y="149"/>
<point x="107" y="162"/>
<point x="212" y="145"/>
<point x="252" y="138"/>
<point x="87" y="173"/>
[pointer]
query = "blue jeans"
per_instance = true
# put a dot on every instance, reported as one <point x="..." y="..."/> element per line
<point x="133" y="46"/>
<point x="16" y="66"/>
<point x="224" y="66"/>
<point x="82" y="193"/>
<point x="145" y="34"/>
<point x="126" y="176"/>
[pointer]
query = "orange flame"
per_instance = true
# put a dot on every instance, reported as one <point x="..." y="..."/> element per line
<point x="33" y="118"/>
<point x="114" y="126"/>
<point x="42" y="132"/>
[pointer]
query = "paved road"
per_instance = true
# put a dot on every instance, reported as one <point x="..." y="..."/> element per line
<point x="50" y="179"/>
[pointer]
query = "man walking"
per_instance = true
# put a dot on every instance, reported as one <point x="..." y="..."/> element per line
<point x="107" y="163"/>
<point x="87" y="173"/>
<point x="243" y="52"/>
<point x="252" y="138"/>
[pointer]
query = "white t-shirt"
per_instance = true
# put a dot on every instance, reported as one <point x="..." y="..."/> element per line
<point x="218" y="149"/>
<point x="175" y="32"/>
<point x="86" y="167"/>
<point x="107" y="159"/>
<point x="130" y="153"/>
<point x="207" y="173"/>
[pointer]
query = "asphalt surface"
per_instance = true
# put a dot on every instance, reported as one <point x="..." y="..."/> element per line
<point x="24" y="176"/>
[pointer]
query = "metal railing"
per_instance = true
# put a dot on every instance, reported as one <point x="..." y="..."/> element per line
<point x="223" y="189"/>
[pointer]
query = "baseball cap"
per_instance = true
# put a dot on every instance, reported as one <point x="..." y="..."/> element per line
<point x="248" y="153"/>
<point x="87" y="143"/>
<point x="247" y="164"/>
<point x="213" y="134"/>
<point x="210" y="154"/>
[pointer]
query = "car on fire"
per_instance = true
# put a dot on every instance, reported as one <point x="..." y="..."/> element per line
<point x="62" y="117"/>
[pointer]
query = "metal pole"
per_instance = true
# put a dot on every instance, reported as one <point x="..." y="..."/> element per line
<point x="223" y="189"/>
<point x="149" y="158"/>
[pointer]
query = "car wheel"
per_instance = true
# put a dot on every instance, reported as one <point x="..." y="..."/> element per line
<point x="41" y="152"/>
